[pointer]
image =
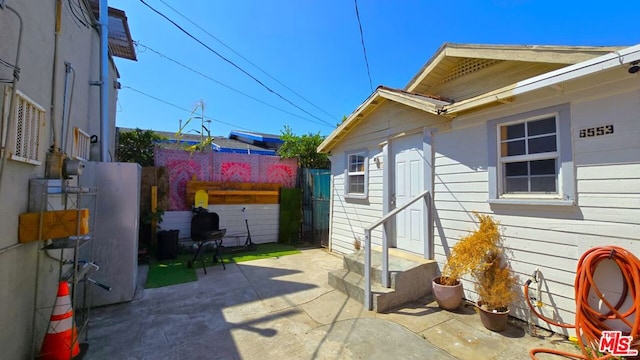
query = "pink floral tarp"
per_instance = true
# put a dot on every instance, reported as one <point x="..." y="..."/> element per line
<point x="221" y="167"/>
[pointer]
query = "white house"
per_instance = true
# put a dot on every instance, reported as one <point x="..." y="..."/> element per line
<point x="543" y="138"/>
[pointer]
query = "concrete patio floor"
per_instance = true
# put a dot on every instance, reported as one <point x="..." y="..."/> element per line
<point x="283" y="308"/>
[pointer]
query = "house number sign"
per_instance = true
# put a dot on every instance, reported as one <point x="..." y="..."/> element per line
<point x="596" y="131"/>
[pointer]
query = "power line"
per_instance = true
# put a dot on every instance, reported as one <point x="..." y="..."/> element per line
<point x="245" y="59"/>
<point x="76" y="18"/>
<point x="232" y="63"/>
<point x="364" y="49"/>
<point x="225" y="85"/>
<point x="184" y="109"/>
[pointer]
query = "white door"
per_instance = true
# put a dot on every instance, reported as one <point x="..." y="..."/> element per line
<point x="409" y="182"/>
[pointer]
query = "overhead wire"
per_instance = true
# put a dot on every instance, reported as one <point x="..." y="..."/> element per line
<point x="232" y="63"/>
<point x="84" y="10"/>
<point x="181" y="108"/>
<point x="146" y="47"/>
<point x="364" y="49"/>
<point x="8" y="64"/>
<point x="247" y="60"/>
<point x="77" y="19"/>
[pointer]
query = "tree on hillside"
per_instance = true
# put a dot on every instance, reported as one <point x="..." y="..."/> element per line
<point x="137" y="146"/>
<point x="303" y="148"/>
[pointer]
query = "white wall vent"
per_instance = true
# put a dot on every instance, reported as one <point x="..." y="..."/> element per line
<point x="29" y="120"/>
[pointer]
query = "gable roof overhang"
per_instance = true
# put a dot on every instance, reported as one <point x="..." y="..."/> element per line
<point x="622" y="57"/>
<point x="381" y="94"/>
<point x="450" y="55"/>
<point x="613" y="57"/>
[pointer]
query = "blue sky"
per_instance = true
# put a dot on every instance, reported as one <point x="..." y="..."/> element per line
<point x="313" y="47"/>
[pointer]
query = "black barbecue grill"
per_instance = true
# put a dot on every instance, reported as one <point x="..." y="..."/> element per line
<point x="205" y="230"/>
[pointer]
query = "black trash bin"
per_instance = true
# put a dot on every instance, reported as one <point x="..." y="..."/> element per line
<point x="167" y="244"/>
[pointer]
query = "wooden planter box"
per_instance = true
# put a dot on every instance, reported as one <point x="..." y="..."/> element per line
<point x="234" y="193"/>
<point x="55" y="224"/>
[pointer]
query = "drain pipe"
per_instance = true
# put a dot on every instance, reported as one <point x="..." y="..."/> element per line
<point x="12" y="100"/>
<point x="104" y="76"/>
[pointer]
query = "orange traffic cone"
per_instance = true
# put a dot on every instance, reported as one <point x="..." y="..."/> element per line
<point x="60" y="342"/>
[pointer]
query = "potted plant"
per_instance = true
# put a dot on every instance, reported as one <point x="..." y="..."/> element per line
<point x="495" y="284"/>
<point x="466" y="256"/>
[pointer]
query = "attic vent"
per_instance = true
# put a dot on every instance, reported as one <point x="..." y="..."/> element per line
<point x="29" y="119"/>
<point x="466" y="67"/>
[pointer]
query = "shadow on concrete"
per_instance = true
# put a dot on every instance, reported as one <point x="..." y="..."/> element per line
<point x="167" y="322"/>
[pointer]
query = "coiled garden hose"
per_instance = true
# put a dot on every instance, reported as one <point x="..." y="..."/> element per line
<point x="590" y="322"/>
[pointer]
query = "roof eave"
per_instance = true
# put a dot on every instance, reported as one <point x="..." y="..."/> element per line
<point x="374" y="100"/>
<point x="528" y="53"/>
<point x="588" y="67"/>
<point x="352" y="120"/>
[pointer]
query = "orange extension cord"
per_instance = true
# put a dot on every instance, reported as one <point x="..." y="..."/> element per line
<point x="590" y="322"/>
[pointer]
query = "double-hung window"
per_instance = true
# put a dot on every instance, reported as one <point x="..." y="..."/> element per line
<point x="530" y="158"/>
<point x="356" y="175"/>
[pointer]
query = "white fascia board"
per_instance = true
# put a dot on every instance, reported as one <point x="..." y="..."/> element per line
<point x="578" y="70"/>
<point x="602" y="63"/>
<point x="425" y="104"/>
<point x="333" y="138"/>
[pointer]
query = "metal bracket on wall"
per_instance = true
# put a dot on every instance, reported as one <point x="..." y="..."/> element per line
<point x="92" y="83"/>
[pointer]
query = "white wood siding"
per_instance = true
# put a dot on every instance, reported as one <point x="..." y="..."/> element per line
<point x="263" y="222"/>
<point x="349" y="216"/>
<point x="545" y="237"/>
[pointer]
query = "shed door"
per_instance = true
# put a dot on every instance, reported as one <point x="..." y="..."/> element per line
<point x="409" y="182"/>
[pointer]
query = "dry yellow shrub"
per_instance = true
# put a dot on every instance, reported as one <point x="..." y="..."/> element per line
<point x="470" y="252"/>
<point x="481" y="254"/>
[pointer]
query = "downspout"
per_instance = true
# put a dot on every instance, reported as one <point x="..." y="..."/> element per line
<point x="12" y="100"/>
<point x="104" y="76"/>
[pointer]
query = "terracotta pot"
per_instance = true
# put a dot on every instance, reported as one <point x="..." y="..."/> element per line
<point x="448" y="297"/>
<point x="492" y="319"/>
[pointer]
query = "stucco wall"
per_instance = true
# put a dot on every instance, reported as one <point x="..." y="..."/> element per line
<point x="19" y="263"/>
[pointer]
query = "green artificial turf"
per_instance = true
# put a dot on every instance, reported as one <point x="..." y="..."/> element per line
<point x="263" y="251"/>
<point x="171" y="272"/>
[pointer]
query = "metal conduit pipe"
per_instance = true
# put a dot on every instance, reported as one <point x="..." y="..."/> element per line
<point x="12" y="100"/>
<point x="64" y="105"/>
<point x="54" y="77"/>
<point x="104" y="76"/>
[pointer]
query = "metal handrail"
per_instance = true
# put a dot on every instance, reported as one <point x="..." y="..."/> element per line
<point x="368" y="300"/>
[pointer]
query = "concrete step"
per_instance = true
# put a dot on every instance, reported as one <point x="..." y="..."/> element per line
<point x="410" y="278"/>
<point x="352" y="284"/>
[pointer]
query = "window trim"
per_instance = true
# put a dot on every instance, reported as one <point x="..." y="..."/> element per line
<point x="347" y="184"/>
<point x="565" y="168"/>
<point x="555" y="155"/>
